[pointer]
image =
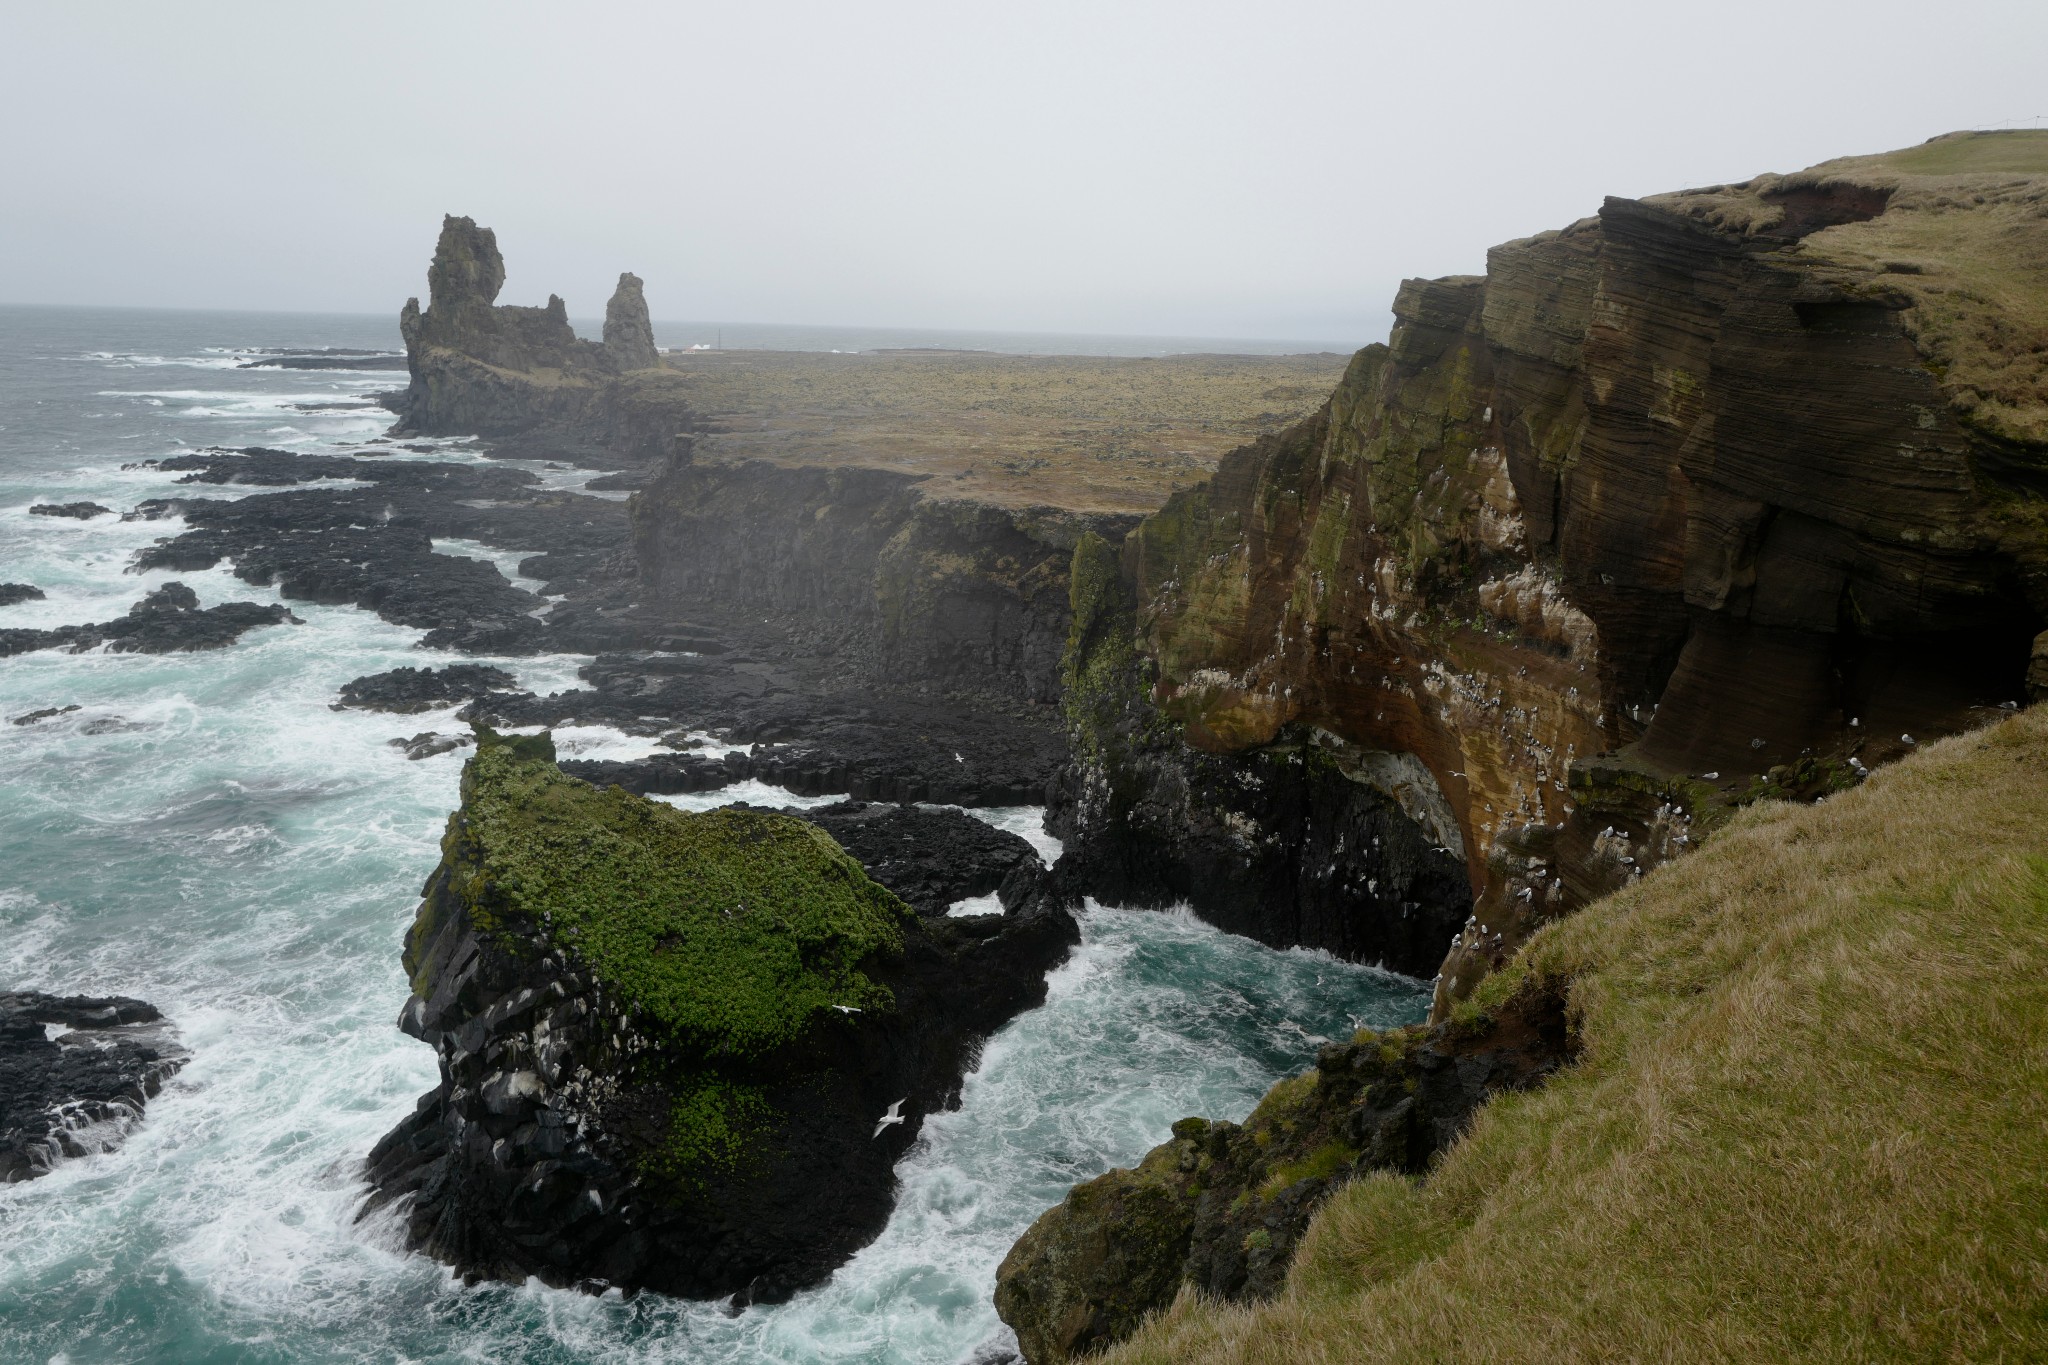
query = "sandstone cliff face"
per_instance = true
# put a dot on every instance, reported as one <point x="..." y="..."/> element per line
<point x="1711" y="495"/>
<point x="480" y="367"/>
<point x="950" y="596"/>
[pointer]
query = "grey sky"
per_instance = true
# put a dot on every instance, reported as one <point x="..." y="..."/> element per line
<point x="1250" y="169"/>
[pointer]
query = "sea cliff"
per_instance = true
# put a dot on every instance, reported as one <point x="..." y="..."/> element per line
<point x="1715" y="495"/>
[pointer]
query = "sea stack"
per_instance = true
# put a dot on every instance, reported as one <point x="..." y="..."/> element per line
<point x="666" y="1038"/>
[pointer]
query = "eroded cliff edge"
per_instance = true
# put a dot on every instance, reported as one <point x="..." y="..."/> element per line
<point x="1718" y="494"/>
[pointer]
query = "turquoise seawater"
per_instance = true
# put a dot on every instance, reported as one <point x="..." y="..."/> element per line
<point x="205" y="833"/>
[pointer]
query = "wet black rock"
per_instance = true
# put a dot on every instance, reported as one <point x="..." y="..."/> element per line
<point x="44" y="714"/>
<point x="83" y="511"/>
<point x="372" y="547"/>
<point x="10" y="593"/>
<point x="871" y="746"/>
<point x="167" y="621"/>
<point x="429" y="744"/>
<point x="82" y="1090"/>
<point x="931" y="857"/>
<point x="409" y="690"/>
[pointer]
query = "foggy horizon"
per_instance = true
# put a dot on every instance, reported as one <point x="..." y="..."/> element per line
<point x="1179" y="171"/>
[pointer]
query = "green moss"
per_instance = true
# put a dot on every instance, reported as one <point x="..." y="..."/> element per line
<point x="715" y="1128"/>
<point x="729" y="931"/>
<point x="1324" y="1162"/>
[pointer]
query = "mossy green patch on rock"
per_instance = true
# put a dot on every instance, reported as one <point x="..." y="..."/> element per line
<point x="714" y="1125"/>
<point x="730" y="931"/>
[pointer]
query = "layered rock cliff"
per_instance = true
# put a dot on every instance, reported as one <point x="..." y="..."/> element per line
<point x="949" y="596"/>
<point x="485" y="368"/>
<point x="667" y="1040"/>
<point x="1718" y="494"/>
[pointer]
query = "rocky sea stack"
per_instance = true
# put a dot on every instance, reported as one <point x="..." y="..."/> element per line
<point x="667" y="1038"/>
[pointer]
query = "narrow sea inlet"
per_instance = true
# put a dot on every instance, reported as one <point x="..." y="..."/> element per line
<point x="206" y="833"/>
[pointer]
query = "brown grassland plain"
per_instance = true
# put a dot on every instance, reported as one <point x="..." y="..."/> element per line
<point x="1086" y="433"/>
<point x="1809" y="1121"/>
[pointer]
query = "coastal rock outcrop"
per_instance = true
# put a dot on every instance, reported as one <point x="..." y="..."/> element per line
<point x="628" y="332"/>
<point x="667" y="1040"/>
<point x="75" y="1073"/>
<point x="165" y="621"/>
<point x="476" y="366"/>
<point x="408" y="691"/>
<point x="1716" y="495"/>
<point x="10" y="593"/>
<point x="1220" y="1206"/>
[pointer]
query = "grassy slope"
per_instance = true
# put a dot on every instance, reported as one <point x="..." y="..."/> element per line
<point x="1810" y="1121"/>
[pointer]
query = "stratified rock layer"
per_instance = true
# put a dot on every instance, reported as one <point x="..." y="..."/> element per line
<point x="666" y="1039"/>
<point x="1717" y="494"/>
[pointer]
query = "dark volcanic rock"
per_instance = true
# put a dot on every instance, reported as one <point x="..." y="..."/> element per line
<point x="373" y="547"/>
<point x="930" y="857"/>
<point x="1222" y="1206"/>
<point x="167" y="621"/>
<point x="10" y="593"/>
<point x="46" y="713"/>
<point x="409" y="690"/>
<point x="429" y="744"/>
<point x="84" y="511"/>
<point x="83" y="1090"/>
<point x="666" y="1039"/>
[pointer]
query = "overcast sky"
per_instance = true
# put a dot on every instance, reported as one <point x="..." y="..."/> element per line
<point x="1254" y="169"/>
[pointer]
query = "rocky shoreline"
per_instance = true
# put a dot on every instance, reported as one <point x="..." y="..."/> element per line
<point x="75" y="1074"/>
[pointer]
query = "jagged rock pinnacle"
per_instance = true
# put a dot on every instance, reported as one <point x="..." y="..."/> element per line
<point x="628" y="333"/>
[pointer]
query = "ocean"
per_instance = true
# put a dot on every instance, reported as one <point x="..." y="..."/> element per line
<point x="204" y="832"/>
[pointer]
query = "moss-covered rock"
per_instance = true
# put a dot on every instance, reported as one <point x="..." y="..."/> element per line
<point x="665" y="1037"/>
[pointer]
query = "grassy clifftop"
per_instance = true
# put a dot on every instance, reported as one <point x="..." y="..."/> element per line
<point x="1809" y="1121"/>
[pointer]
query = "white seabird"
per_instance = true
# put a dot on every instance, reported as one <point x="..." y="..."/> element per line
<point x="847" y="1009"/>
<point x="895" y="1115"/>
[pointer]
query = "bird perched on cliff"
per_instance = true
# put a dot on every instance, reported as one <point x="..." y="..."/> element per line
<point x="895" y="1115"/>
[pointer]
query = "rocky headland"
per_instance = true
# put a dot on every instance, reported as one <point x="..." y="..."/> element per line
<point x="1717" y="495"/>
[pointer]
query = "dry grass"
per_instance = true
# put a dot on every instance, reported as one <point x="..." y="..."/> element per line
<point x="1080" y="432"/>
<point x="1963" y="239"/>
<point x="1810" y="1122"/>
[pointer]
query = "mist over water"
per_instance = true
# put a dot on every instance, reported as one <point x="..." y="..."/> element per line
<point x="206" y="833"/>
